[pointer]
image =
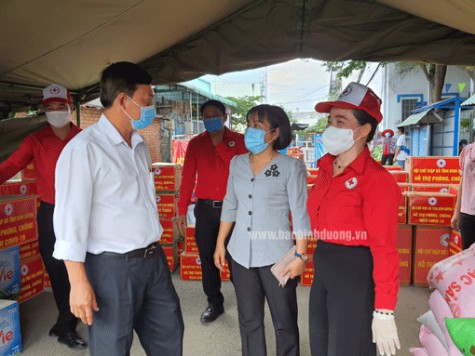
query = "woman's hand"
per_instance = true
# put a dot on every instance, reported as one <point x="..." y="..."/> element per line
<point x="295" y="268"/>
<point x="220" y="256"/>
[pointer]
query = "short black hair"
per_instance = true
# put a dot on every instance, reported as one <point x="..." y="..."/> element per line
<point x="216" y="103"/>
<point x="364" y="118"/>
<point x="401" y="128"/>
<point x="277" y="118"/>
<point x="121" y="77"/>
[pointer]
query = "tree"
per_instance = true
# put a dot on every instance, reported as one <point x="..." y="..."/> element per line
<point x="244" y="104"/>
<point x="345" y="69"/>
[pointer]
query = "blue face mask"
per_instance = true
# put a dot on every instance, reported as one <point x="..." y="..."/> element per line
<point x="147" y="115"/>
<point x="213" y="124"/>
<point x="254" y="139"/>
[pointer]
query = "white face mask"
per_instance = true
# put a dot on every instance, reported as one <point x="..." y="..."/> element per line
<point x="337" y="140"/>
<point x="387" y="134"/>
<point x="58" y="119"/>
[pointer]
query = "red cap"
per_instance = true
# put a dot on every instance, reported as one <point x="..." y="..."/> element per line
<point x="56" y="92"/>
<point x="391" y="132"/>
<point x="355" y="96"/>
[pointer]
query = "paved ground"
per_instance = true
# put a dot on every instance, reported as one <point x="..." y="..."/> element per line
<point x="219" y="338"/>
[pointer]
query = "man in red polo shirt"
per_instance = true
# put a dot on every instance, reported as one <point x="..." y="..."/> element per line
<point x="43" y="149"/>
<point x="207" y="160"/>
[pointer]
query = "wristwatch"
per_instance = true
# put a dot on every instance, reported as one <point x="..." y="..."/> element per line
<point x="303" y="257"/>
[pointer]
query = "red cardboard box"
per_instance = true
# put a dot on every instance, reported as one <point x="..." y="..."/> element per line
<point x="393" y="168"/>
<point x="226" y="275"/>
<point x="171" y="251"/>
<point x="190" y="242"/>
<point x="404" y="246"/>
<point x="430" y="208"/>
<point x="431" y="245"/>
<point x="47" y="281"/>
<point x="29" y="250"/>
<point x="167" y="177"/>
<point x="29" y="173"/>
<point x="454" y="189"/>
<point x="17" y="220"/>
<point x="402" y="210"/>
<point x="425" y="187"/>
<point x="455" y="243"/>
<point x="433" y="169"/>
<point x="306" y="279"/>
<point x="180" y="244"/>
<point x="405" y="187"/>
<point x="166" y="205"/>
<point x="400" y="176"/>
<point x="170" y="231"/>
<point x="190" y="267"/>
<point x="18" y="188"/>
<point x="311" y="245"/>
<point x="32" y="278"/>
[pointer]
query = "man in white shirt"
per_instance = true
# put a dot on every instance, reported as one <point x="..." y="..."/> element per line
<point x="401" y="148"/>
<point x="107" y="226"/>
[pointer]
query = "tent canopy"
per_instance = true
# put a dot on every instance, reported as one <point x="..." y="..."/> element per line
<point x="70" y="42"/>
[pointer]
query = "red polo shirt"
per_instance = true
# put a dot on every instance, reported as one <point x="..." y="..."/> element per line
<point x="211" y="164"/>
<point x="43" y="148"/>
<point x="359" y="207"/>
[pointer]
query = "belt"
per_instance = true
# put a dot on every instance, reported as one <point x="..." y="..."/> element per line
<point x="214" y="203"/>
<point x="145" y="252"/>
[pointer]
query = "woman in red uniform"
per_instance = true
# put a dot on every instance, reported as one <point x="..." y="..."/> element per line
<point x="353" y="211"/>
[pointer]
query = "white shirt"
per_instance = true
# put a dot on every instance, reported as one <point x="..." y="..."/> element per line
<point x="401" y="141"/>
<point x="105" y="196"/>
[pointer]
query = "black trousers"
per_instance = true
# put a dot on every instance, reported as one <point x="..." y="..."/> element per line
<point x="341" y="301"/>
<point x="387" y="158"/>
<point x="206" y="234"/>
<point x="134" y="293"/>
<point x="55" y="268"/>
<point x="467" y="230"/>
<point x="253" y="286"/>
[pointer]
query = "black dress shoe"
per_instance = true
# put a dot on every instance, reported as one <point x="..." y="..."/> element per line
<point x="55" y="330"/>
<point x="211" y="313"/>
<point x="72" y="340"/>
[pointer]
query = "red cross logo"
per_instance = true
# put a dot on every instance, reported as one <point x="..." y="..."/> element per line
<point x="351" y="183"/>
<point x="54" y="90"/>
<point x="8" y="209"/>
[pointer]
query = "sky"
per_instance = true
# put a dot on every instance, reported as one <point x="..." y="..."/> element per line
<point x="296" y="85"/>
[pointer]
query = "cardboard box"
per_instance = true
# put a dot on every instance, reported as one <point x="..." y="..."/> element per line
<point x="426" y="187"/>
<point x="400" y="176"/>
<point x="170" y="232"/>
<point x="180" y="244"/>
<point x="171" y="251"/>
<point x="167" y="177"/>
<point x="46" y="280"/>
<point x="17" y="220"/>
<point x="311" y="245"/>
<point x="431" y="245"/>
<point x="393" y="168"/>
<point x="10" y="335"/>
<point x="18" y="188"/>
<point x="404" y="246"/>
<point x="430" y="208"/>
<point x="10" y="273"/>
<point x="190" y="242"/>
<point x="306" y="279"/>
<point x="433" y="169"/>
<point x="455" y="242"/>
<point x="29" y="173"/>
<point x="166" y="205"/>
<point x="402" y="210"/>
<point x="226" y="275"/>
<point x="405" y="187"/>
<point x="32" y="278"/>
<point x="190" y="267"/>
<point x="29" y="250"/>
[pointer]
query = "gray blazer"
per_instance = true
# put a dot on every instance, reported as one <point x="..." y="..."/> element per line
<point x="260" y="207"/>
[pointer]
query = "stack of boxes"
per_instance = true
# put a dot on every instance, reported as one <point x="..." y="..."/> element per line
<point x="167" y="179"/>
<point x="21" y="266"/>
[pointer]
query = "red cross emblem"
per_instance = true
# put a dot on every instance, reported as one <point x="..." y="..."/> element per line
<point x="8" y="209"/>
<point x="54" y="90"/>
<point x="351" y="183"/>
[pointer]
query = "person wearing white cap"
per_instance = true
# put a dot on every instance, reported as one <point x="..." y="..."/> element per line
<point x="43" y="149"/>
<point x="353" y="209"/>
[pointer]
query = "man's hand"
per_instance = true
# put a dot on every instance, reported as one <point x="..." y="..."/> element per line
<point x="220" y="256"/>
<point x="82" y="301"/>
<point x="181" y="221"/>
<point x="455" y="221"/>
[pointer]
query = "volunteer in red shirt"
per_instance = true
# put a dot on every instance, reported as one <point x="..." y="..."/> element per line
<point x="43" y="149"/>
<point x="353" y="209"/>
<point x="207" y="161"/>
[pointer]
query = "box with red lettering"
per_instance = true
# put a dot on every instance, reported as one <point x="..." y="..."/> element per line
<point x="190" y="267"/>
<point x="17" y="220"/>
<point x="18" y="188"/>
<point x="426" y="208"/>
<point x="433" y="169"/>
<point x="404" y="246"/>
<point x="167" y="177"/>
<point x="32" y="278"/>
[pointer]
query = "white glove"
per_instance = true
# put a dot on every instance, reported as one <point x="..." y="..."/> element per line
<point x="385" y="334"/>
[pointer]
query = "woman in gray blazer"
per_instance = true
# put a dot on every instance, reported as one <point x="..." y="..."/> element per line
<point x="264" y="187"/>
